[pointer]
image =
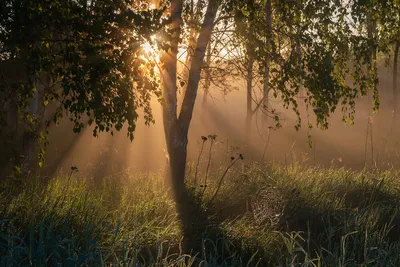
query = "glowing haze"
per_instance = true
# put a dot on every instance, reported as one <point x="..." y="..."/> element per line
<point x="371" y="141"/>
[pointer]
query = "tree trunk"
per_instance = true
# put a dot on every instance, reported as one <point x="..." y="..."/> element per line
<point x="207" y="77"/>
<point x="395" y="70"/>
<point x="31" y="133"/>
<point x="189" y="100"/>
<point x="395" y="74"/>
<point x="13" y="73"/>
<point x="267" y="58"/>
<point x="371" y="28"/>
<point x="169" y="88"/>
<point x="205" y="97"/>
<point x="176" y="138"/>
<point x="176" y="128"/>
<point x="249" y="100"/>
<point x="196" y="16"/>
<point x="249" y="119"/>
<point x="301" y="87"/>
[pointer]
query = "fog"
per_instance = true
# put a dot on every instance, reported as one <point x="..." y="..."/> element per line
<point x="342" y="145"/>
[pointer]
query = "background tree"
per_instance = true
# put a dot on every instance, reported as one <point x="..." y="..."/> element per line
<point x="301" y="44"/>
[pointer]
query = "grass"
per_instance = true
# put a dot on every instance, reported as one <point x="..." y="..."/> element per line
<point x="266" y="216"/>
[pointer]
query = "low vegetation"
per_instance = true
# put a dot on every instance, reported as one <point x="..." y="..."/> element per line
<point x="266" y="216"/>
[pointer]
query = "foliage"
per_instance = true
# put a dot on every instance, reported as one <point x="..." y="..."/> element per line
<point x="321" y="46"/>
<point x="91" y="53"/>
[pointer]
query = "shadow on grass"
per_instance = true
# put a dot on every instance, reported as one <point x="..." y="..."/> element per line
<point x="358" y="221"/>
<point x="338" y="221"/>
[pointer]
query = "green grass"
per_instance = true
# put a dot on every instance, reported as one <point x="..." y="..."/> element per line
<point x="270" y="216"/>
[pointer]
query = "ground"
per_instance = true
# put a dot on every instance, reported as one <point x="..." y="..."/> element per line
<point x="263" y="215"/>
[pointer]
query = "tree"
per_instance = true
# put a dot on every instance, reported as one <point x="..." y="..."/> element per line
<point x="91" y="54"/>
<point x="245" y="59"/>
<point x="81" y="57"/>
<point x="279" y="46"/>
<point x="218" y="67"/>
<point x="176" y="125"/>
<point x="313" y="53"/>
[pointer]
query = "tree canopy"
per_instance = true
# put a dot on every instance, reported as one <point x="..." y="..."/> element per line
<point x="94" y="55"/>
<point x="91" y="53"/>
<point x="322" y="46"/>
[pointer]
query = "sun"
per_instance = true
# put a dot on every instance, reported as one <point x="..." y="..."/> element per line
<point x="147" y="48"/>
<point x="150" y="50"/>
<point x="150" y="57"/>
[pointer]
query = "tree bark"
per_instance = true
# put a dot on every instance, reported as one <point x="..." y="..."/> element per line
<point x="192" y="39"/>
<point x="176" y="128"/>
<point x="267" y="58"/>
<point x="13" y="73"/>
<point x="207" y="77"/>
<point x="31" y="133"/>
<point x="395" y="71"/>
<point x="169" y="90"/>
<point x="10" y="75"/>
<point x="395" y="74"/>
<point x="371" y="28"/>
<point x="178" y="139"/>
<point x="249" y="100"/>
<point x="186" y="113"/>
<point x="29" y="139"/>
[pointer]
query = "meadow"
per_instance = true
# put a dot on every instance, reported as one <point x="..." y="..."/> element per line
<point x="164" y="73"/>
<point x="270" y="215"/>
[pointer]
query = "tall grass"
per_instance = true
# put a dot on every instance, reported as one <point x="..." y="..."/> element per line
<point x="267" y="216"/>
